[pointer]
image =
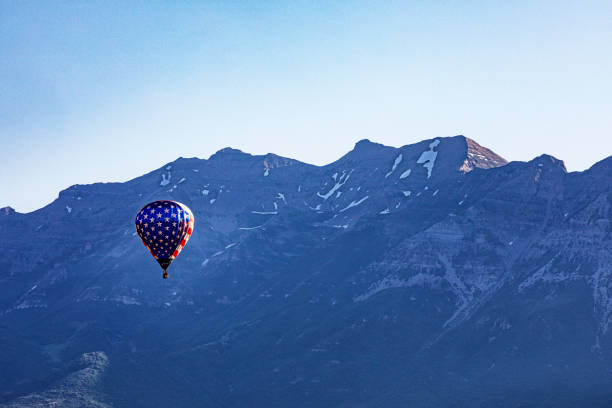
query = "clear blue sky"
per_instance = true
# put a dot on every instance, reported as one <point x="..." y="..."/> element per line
<point x="92" y="91"/>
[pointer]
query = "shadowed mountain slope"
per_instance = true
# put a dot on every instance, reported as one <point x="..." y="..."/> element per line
<point x="434" y="274"/>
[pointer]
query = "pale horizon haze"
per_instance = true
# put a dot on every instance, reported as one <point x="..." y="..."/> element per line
<point x="107" y="91"/>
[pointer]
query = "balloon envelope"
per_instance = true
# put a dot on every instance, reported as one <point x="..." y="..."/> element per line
<point x="165" y="227"/>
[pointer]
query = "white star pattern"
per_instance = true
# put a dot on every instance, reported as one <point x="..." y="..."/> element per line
<point x="177" y="225"/>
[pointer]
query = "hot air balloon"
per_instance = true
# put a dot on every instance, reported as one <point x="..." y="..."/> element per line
<point x="164" y="227"/>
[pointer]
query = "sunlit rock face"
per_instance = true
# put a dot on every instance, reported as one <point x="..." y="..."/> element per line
<point x="434" y="274"/>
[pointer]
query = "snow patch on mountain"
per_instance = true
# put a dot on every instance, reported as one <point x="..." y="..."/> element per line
<point x="354" y="203"/>
<point x="250" y="228"/>
<point x="397" y="161"/>
<point x="428" y="157"/>
<point x="405" y="174"/>
<point x="165" y="181"/>
<point x="343" y="179"/>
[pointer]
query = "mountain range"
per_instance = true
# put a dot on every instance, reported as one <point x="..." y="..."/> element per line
<point x="436" y="274"/>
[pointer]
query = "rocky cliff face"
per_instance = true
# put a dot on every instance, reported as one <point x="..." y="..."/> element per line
<point x="435" y="274"/>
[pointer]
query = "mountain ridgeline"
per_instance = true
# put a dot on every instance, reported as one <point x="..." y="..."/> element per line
<point x="435" y="274"/>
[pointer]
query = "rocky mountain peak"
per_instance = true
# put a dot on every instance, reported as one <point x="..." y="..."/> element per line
<point x="6" y="211"/>
<point x="546" y="160"/>
<point x="272" y="160"/>
<point x="478" y="156"/>
<point x="367" y="145"/>
<point x="228" y="152"/>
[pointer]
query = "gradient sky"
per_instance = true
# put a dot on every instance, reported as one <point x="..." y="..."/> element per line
<point x="92" y="91"/>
